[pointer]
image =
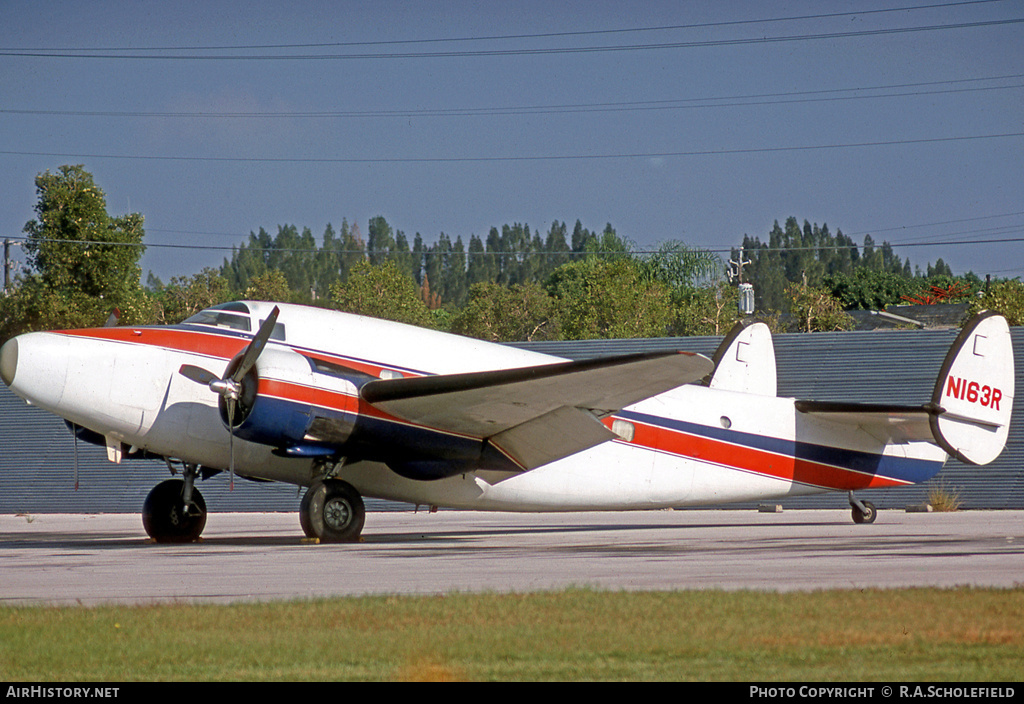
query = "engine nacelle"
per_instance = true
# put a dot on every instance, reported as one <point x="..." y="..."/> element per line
<point x="285" y="403"/>
<point x="308" y="408"/>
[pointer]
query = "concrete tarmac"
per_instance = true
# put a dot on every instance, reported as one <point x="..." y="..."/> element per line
<point x="95" y="559"/>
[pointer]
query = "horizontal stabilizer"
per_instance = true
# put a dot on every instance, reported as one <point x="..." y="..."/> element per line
<point x="887" y="422"/>
<point x="969" y="415"/>
<point x="538" y="414"/>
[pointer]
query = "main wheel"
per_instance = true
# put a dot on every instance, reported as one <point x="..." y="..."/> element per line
<point x="334" y="512"/>
<point x="307" y="529"/>
<point x="868" y="515"/>
<point x="167" y="519"/>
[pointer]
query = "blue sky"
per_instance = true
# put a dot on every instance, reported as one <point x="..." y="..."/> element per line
<point x="703" y="122"/>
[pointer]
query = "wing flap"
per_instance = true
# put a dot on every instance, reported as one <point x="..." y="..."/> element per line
<point x="560" y="433"/>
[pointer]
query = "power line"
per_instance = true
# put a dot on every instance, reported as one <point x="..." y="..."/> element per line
<point x="517" y="37"/>
<point x="873" y="231"/>
<point x="829" y="95"/>
<point x="535" y="158"/>
<point x="478" y="53"/>
<point x="642" y="252"/>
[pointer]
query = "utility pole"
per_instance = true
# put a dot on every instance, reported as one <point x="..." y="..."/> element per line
<point x="736" y="267"/>
<point x="746" y="301"/>
<point x="8" y="264"/>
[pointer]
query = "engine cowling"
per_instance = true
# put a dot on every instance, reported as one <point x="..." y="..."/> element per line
<point x="285" y="403"/>
<point x="306" y="408"/>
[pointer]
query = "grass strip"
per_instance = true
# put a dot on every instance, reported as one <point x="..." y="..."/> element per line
<point x="579" y="634"/>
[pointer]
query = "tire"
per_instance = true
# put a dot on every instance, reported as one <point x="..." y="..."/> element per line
<point x="164" y="516"/>
<point x="867" y="516"/>
<point x="334" y="511"/>
<point x="307" y="529"/>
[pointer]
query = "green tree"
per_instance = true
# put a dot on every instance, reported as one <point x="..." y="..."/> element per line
<point x="869" y="289"/>
<point x="185" y="296"/>
<point x="270" y="286"/>
<point x="815" y="310"/>
<point x="83" y="263"/>
<point x="292" y="253"/>
<point x="556" y="249"/>
<point x="383" y="291"/>
<point x="708" y="310"/>
<point x="1005" y="297"/>
<point x="482" y="265"/>
<point x="679" y="266"/>
<point x="520" y="312"/>
<point x="609" y="298"/>
<point x="247" y="260"/>
<point x="75" y="246"/>
<point x="381" y="240"/>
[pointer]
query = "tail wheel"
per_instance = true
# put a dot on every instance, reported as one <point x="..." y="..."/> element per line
<point x="167" y="519"/>
<point x="868" y="515"/>
<point x="333" y="511"/>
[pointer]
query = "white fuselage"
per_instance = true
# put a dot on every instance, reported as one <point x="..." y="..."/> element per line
<point x="692" y="445"/>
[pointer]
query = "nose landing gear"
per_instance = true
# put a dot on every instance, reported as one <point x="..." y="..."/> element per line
<point x="174" y="511"/>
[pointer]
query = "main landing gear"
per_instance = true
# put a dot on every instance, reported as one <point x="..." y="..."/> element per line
<point x="332" y="512"/>
<point x="863" y="511"/>
<point x="174" y="511"/>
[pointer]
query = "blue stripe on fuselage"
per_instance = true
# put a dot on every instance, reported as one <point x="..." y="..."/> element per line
<point x="902" y="469"/>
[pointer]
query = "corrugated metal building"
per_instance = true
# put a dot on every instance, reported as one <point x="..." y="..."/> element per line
<point x="37" y="453"/>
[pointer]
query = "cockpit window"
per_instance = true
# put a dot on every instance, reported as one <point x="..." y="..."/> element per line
<point x="220" y="316"/>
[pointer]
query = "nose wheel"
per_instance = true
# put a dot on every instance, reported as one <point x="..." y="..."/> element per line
<point x="169" y="518"/>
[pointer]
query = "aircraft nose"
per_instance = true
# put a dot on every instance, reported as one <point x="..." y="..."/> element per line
<point x="35" y="366"/>
<point x="9" y="361"/>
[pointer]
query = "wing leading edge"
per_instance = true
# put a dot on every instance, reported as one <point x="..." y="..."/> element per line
<point x="538" y="414"/>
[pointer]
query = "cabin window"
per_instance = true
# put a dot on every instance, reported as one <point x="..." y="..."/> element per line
<point x="322" y="366"/>
<point x="624" y="429"/>
<point x="277" y="333"/>
<point x="726" y="423"/>
<point x="390" y="374"/>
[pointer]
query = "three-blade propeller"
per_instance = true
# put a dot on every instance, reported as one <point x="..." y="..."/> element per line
<point x="230" y="386"/>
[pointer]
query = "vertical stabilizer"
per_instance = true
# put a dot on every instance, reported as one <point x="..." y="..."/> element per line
<point x="745" y="361"/>
<point x="975" y="391"/>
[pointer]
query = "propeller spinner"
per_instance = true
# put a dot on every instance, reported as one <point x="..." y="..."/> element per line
<point x="230" y="387"/>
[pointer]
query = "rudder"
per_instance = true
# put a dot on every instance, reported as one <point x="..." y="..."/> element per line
<point x="745" y="361"/>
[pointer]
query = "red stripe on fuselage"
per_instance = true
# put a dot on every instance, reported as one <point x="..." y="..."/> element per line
<point x="213" y="344"/>
<point x="756" y="461"/>
<point x="339" y="401"/>
<point x="209" y="344"/>
<point x="312" y="396"/>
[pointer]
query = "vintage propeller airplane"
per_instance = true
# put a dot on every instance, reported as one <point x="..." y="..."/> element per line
<point x="350" y="406"/>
